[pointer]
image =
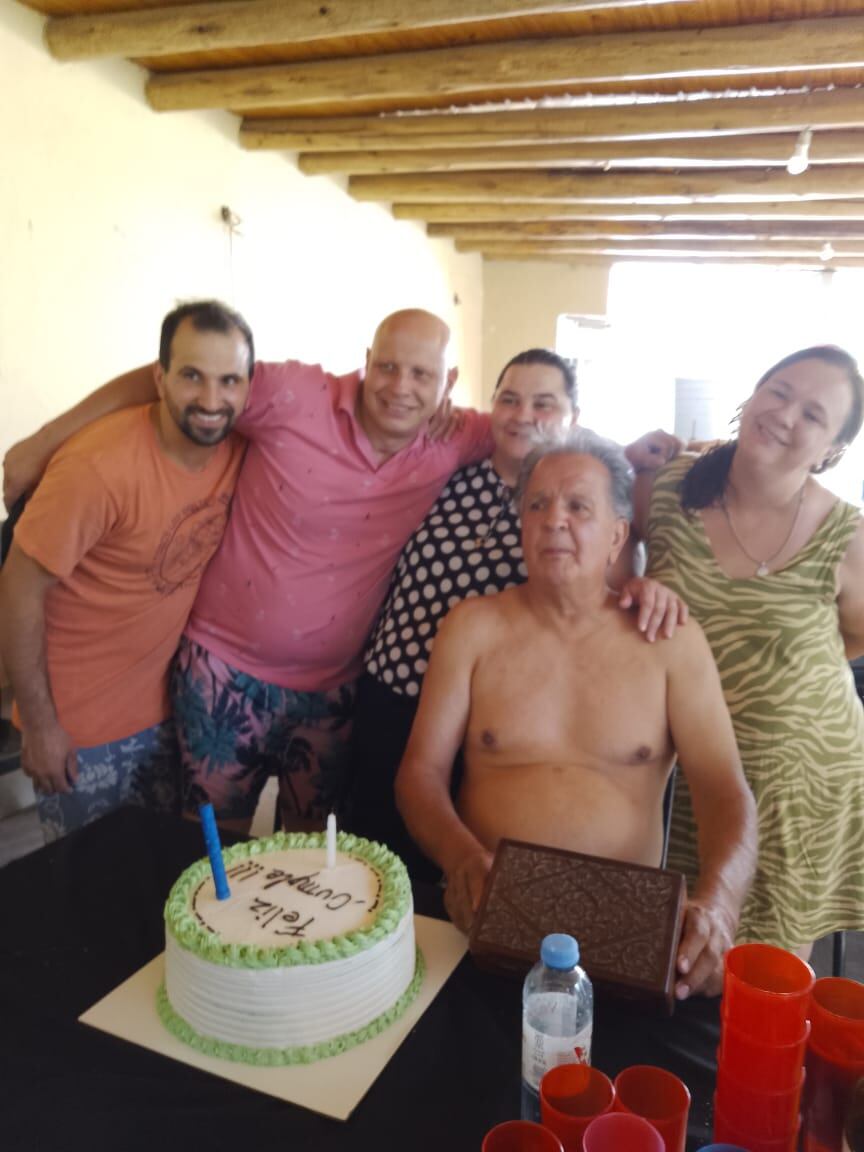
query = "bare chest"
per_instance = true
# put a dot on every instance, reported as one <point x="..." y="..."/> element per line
<point x="561" y="703"/>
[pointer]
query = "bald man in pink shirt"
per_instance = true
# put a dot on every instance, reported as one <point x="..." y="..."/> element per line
<point x="339" y="471"/>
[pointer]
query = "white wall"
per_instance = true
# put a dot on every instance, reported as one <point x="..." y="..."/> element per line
<point x="522" y="302"/>
<point x="109" y="213"/>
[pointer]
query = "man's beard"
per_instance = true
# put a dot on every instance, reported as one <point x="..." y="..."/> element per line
<point x="205" y="436"/>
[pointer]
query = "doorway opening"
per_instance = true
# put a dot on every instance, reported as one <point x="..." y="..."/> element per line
<point x="682" y="345"/>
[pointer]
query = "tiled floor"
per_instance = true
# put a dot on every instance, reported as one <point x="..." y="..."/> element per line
<point x="18" y="831"/>
<point x="19" y="834"/>
<point x="19" y="827"/>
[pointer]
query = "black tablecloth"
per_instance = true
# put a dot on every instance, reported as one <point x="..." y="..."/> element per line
<point x="81" y="915"/>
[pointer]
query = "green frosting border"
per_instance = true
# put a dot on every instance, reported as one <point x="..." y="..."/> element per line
<point x="190" y="934"/>
<point x="274" y="1057"/>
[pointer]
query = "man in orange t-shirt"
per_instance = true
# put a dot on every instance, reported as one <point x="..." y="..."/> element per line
<point x="104" y="567"/>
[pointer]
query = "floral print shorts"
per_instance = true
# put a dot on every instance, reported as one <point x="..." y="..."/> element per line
<point x="143" y="769"/>
<point x="235" y="731"/>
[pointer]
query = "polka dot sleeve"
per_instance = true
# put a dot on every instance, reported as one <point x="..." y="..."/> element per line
<point x="468" y="545"/>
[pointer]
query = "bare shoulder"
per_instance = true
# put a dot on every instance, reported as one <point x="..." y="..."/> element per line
<point x="477" y="614"/>
<point x="687" y="650"/>
<point x="686" y="644"/>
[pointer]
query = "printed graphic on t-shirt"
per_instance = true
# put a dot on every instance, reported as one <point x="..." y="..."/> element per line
<point x="193" y="536"/>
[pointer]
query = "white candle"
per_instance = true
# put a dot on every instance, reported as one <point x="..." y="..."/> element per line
<point x="331" y="841"/>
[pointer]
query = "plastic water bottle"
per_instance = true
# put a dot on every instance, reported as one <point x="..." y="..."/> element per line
<point x="557" y="1017"/>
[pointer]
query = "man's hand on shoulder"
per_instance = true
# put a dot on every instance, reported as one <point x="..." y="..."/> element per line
<point x="49" y="758"/>
<point x="23" y="467"/>
<point x="661" y="610"/>
<point x="465" y="883"/>
<point x="447" y="420"/>
<point x="26" y="461"/>
<point x="709" y="933"/>
<point x="653" y="450"/>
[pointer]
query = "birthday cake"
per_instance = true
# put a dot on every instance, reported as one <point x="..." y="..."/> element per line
<point x="301" y="961"/>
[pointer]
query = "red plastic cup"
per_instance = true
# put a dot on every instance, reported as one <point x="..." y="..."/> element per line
<point x="571" y="1096"/>
<point x="766" y="1067"/>
<point x="521" y="1136"/>
<point x="768" y="1115"/>
<point x="658" y="1097"/>
<point x="837" y="1017"/>
<point x="731" y="1133"/>
<point x="766" y="993"/>
<point x="617" y="1131"/>
<point x="827" y="1096"/>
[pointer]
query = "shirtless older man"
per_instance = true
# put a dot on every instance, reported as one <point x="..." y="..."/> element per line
<point x="571" y="723"/>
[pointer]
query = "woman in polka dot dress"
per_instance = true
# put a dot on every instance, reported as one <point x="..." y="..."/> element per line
<point x="468" y="545"/>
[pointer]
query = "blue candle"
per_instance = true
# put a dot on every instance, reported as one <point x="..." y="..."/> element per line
<point x="214" y="851"/>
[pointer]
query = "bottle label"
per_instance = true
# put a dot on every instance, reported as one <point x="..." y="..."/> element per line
<point x="540" y="1052"/>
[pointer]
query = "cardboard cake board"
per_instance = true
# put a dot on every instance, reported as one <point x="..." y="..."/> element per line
<point x="334" y="1086"/>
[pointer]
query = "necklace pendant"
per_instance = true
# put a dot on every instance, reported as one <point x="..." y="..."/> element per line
<point x="763" y="569"/>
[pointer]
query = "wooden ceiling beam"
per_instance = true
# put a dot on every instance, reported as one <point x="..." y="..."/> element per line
<point x="720" y="152"/>
<point x="725" y="115"/>
<point x="455" y="212"/>
<point x="667" y="255"/>
<point x="745" y="184"/>
<point x="552" y="230"/>
<point x="791" y="250"/>
<point x="248" y="24"/>
<point x="469" y="71"/>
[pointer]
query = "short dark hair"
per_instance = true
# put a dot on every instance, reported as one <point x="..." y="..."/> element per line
<point x="552" y="360"/>
<point x="206" y="316"/>
<point x="705" y="482"/>
<point x="584" y="442"/>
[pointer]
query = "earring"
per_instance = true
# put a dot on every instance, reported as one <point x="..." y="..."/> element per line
<point x="831" y="459"/>
<point x="735" y="422"/>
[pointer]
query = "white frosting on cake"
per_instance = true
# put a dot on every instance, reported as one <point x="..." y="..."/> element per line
<point x="290" y="1007"/>
<point x="288" y="896"/>
<point x="252" y="972"/>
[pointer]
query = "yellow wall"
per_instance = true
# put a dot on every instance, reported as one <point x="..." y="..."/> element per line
<point x="522" y="302"/>
<point x="109" y="213"/>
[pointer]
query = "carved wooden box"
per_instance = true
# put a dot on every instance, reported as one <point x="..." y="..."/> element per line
<point x="627" y="918"/>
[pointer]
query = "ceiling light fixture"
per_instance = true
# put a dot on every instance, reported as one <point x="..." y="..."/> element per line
<point x="827" y="252"/>
<point x="799" y="161"/>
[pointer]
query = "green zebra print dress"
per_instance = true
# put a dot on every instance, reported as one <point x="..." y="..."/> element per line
<point x="798" y="721"/>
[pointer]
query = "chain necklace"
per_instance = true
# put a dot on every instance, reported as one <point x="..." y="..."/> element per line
<point x="485" y="536"/>
<point x="763" y="567"/>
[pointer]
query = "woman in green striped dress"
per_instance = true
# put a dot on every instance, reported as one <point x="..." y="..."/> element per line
<point x="772" y="566"/>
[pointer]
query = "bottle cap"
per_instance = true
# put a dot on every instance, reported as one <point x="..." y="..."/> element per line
<point x="559" y="951"/>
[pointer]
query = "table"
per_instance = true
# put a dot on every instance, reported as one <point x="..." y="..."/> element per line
<point x="83" y="914"/>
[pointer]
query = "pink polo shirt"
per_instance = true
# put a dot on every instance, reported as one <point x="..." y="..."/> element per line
<point x="316" y="526"/>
